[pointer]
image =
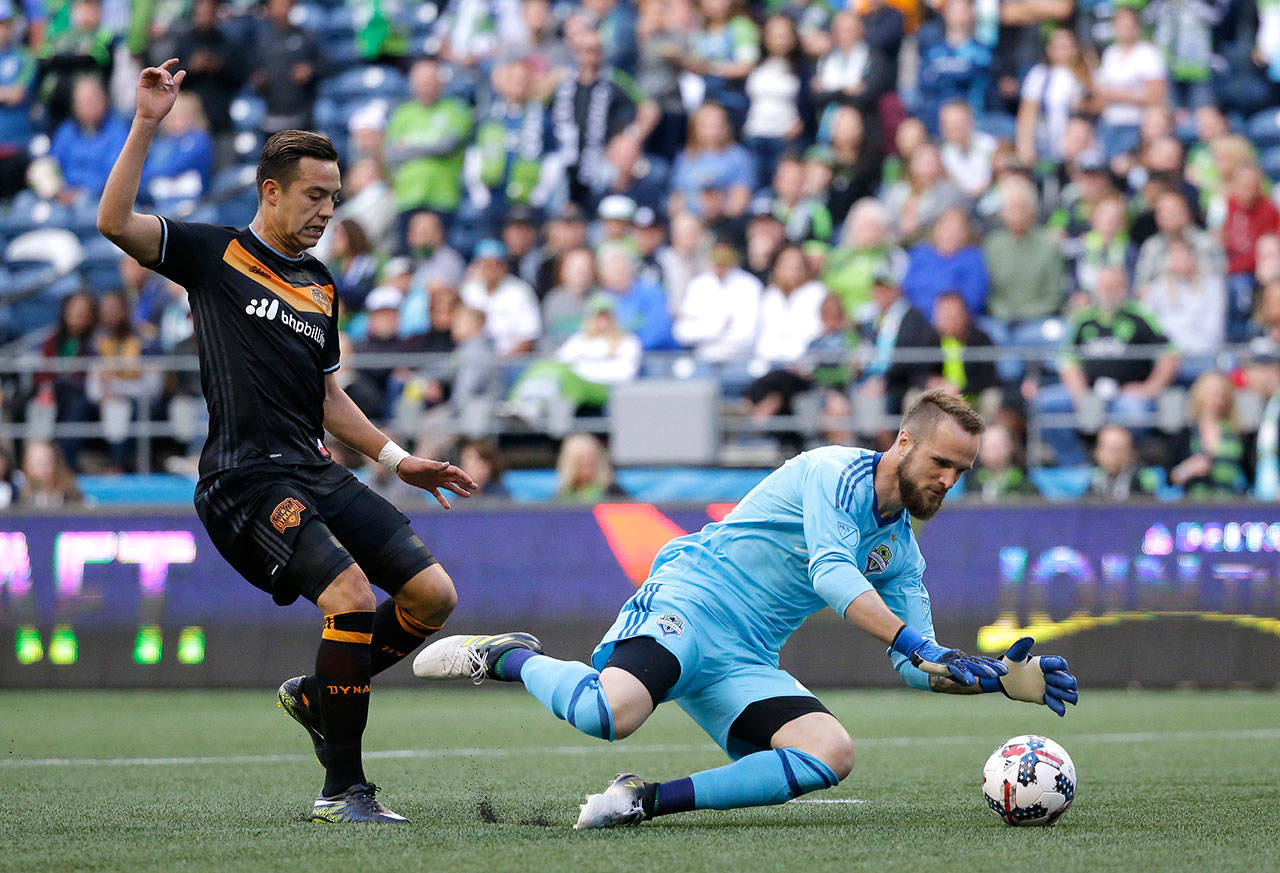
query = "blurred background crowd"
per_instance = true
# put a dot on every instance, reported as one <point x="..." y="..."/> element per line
<point x="1063" y="210"/>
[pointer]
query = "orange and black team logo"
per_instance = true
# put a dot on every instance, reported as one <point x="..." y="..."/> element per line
<point x="287" y="514"/>
<point x="321" y="299"/>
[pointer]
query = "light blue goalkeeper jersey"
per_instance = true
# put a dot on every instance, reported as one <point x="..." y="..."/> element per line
<point x="808" y="536"/>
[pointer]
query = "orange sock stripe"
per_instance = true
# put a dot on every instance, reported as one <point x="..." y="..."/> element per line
<point x="341" y="636"/>
<point x="411" y="625"/>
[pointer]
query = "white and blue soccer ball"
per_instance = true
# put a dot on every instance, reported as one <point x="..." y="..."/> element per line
<point x="1029" y="780"/>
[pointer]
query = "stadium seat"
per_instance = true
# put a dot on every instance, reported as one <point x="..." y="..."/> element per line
<point x="1269" y="160"/>
<point x="1061" y="483"/>
<point x="1000" y="126"/>
<point x="232" y="182"/>
<point x="308" y="16"/>
<point x="237" y="212"/>
<point x="342" y="54"/>
<point x="248" y="144"/>
<point x="1264" y="128"/>
<point x="100" y="267"/>
<point x="364" y="83"/>
<point x="55" y="246"/>
<point x="247" y="112"/>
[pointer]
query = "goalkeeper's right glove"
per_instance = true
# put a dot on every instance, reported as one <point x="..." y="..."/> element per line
<point x="1040" y="679"/>
<point x="953" y="663"/>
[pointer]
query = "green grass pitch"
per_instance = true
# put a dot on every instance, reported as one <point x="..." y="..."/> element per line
<point x="1168" y="782"/>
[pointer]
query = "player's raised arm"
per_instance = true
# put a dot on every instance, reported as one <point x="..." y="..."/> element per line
<point x="343" y="419"/>
<point x="139" y="236"/>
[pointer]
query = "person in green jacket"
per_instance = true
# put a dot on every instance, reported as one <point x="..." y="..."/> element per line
<point x="865" y="249"/>
<point x="425" y="141"/>
<point x="508" y="164"/>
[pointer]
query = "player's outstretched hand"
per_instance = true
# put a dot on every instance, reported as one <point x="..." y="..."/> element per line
<point x="157" y="89"/>
<point x="941" y="661"/>
<point x="1039" y="679"/>
<point x="436" y="476"/>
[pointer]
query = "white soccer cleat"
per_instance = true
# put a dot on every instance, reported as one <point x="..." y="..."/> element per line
<point x="621" y="804"/>
<point x="474" y="657"/>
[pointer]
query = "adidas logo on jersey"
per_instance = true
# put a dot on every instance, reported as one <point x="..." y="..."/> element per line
<point x="269" y="308"/>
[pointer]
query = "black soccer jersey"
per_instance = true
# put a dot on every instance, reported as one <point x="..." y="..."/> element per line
<point x="267" y="331"/>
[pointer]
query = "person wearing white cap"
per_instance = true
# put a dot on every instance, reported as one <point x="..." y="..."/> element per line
<point x="616" y="213"/>
<point x="510" y="308"/>
<point x="381" y="337"/>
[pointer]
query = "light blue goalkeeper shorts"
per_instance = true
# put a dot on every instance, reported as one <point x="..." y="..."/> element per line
<point x="721" y="673"/>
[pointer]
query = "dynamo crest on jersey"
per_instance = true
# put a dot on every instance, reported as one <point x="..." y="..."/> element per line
<point x="878" y="559"/>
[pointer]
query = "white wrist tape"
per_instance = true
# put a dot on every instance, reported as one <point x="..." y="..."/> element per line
<point x="391" y="455"/>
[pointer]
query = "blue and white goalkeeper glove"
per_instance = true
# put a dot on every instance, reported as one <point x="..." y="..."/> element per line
<point x="1040" y="679"/>
<point x="953" y="663"/>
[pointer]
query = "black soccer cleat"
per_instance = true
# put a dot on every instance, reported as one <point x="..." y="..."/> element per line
<point x="474" y="656"/>
<point x="355" y="805"/>
<point x="294" y="702"/>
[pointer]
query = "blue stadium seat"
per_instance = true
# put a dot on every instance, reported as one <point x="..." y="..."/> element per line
<point x="237" y="212"/>
<point x="247" y="112"/>
<point x="21" y="278"/>
<point x="248" y="144"/>
<point x="100" y="268"/>
<point x="29" y="212"/>
<point x="1264" y="128"/>
<point x="1269" y="160"/>
<point x="342" y="55"/>
<point x="1000" y="126"/>
<point x="232" y="181"/>
<point x="309" y="16"/>
<point x="1061" y="483"/>
<point x="364" y="83"/>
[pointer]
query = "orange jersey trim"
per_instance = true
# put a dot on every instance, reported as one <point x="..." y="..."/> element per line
<point x="303" y="298"/>
<point x="341" y="636"/>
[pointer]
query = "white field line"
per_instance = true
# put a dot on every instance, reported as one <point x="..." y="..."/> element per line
<point x="827" y="800"/>
<point x="638" y="749"/>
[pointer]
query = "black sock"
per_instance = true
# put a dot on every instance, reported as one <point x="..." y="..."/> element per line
<point x="396" y="634"/>
<point x="342" y="676"/>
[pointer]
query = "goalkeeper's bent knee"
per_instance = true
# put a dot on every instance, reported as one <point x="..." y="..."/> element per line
<point x="572" y="691"/>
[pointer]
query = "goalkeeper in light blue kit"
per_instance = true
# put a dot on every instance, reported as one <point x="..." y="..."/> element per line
<point x="831" y="527"/>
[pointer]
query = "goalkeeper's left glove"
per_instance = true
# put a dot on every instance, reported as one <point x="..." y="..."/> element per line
<point x="937" y="660"/>
<point x="1040" y="679"/>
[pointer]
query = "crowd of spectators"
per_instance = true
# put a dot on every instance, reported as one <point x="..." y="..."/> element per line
<point x="835" y="202"/>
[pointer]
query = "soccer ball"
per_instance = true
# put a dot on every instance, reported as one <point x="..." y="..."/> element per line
<point x="1029" y="780"/>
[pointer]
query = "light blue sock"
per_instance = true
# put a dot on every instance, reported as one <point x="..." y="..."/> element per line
<point x="759" y="779"/>
<point x="572" y="691"/>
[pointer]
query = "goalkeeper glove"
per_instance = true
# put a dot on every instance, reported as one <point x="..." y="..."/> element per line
<point x="1040" y="679"/>
<point x="933" y="658"/>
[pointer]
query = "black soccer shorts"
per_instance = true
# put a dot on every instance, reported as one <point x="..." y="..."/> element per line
<point x="291" y="529"/>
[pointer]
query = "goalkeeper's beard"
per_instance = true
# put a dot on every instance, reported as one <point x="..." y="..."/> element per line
<point x="922" y="503"/>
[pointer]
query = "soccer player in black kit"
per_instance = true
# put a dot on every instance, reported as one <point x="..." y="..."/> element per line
<point x="282" y="513"/>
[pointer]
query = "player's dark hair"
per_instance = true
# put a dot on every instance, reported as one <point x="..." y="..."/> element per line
<point x="280" y="156"/>
<point x="933" y="406"/>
